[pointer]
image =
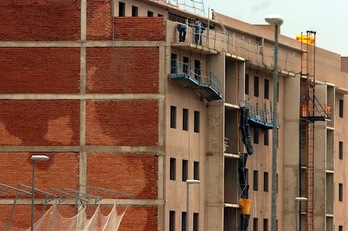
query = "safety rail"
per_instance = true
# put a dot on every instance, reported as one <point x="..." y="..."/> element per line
<point x="254" y="51"/>
<point x="203" y="82"/>
<point x="259" y="117"/>
<point x="263" y="117"/>
<point x="251" y="49"/>
<point x="317" y="111"/>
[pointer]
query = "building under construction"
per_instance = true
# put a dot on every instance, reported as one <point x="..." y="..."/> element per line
<point x="157" y="115"/>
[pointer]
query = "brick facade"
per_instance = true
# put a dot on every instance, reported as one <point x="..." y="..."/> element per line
<point x="136" y="174"/>
<point x="39" y="20"/>
<point x="46" y="79"/>
<point x="122" y="123"/>
<point x="111" y="70"/>
<point x="40" y="70"/>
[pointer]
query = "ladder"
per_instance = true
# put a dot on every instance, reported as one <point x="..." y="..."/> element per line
<point x="197" y="6"/>
<point x="308" y="118"/>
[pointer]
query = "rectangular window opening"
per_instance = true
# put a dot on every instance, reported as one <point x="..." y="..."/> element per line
<point x="149" y="13"/>
<point x="172" y="169"/>
<point x="266" y="90"/>
<point x="266" y="137"/>
<point x="265" y="181"/>
<point x="340" y="107"/>
<point x="173" y="63"/>
<point x="196" y="170"/>
<point x="255" y="224"/>
<point x="171" y="220"/>
<point x="134" y="11"/>
<point x="121" y="9"/>
<point x="256" y="135"/>
<point x="172" y="117"/>
<point x="340" y="150"/>
<point x="196" y="121"/>
<point x="185" y="119"/>
<point x="246" y="84"/>
<point x="256" y="86"/>
<point x="195" y="221"/>
<point x="340" y="192"/>
<point x="185" y="65"/>
<point x="198" y="70"/>
<point x="184" y="170"/>
<point x="265" y="224"/>
<point x="256" y="180"/>
<point x="183" y="221"/>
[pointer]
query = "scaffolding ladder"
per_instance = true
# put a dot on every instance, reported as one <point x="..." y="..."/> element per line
<point x="308" y="117"/>
<point x="196" y="6"/>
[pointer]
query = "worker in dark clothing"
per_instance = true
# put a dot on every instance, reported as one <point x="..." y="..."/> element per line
<point x="199" y="28"/>
<point x="182" y="32"/>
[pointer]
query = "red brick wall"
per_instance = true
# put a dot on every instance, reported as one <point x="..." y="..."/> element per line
<point x="22" y="214"/>
<point x="99" y="25"/>
<point x="139" y="219"/>
<point x="135" y="174"/>
<point x="122" y="70"/>
<point x="60" y="171"/>
<point x="39" y="20"/>
<point x="122" y="123"/>
<point x="129" y="70"/>
<point x="39" y="70"/>
<point x="135" y="218"/>
<point x="39" y="122"/>
<point x="139" y="29"/>
<point x="99" y="19"/>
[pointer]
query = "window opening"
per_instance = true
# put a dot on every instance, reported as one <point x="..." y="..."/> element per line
<point x="172" y="117"/>
<point x="185" y="117"/>
<point x="198" y="70"/>
<point x="196" y="121"/>
<point x="172" y="169"/>
<point x="121" y="9"/>
<point x="173" y="63"/>
<point x="184" y="170"/>
<point x="134" y="11"/>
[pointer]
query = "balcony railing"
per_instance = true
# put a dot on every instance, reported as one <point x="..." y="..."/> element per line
<point x="259" y="117"/>
<point x="204" y="83"/>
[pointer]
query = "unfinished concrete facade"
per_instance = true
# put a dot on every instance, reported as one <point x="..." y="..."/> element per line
<point x="117" y="102"/>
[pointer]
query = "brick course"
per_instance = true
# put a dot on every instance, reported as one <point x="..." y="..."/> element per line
<point x="123" y="70"/>
<point x="122" y="123"/>
<point x="39" y="20"/>
<point x="39" y="122"/>
<point x="135" y="174"/>
<point x="136" y="218"/>
<point x="60" y="171"/>
<point x="99" y="20"/>
<point x="99" y="25"/>
<point x="22" y="214"/>
<point x="139" y="219"/>
<point x="40" y="70"/>
<point x="139" y="29"/>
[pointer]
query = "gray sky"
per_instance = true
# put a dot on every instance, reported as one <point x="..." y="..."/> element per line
<point x="329" y="18"/>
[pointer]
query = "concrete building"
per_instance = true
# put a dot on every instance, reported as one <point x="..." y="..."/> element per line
<point x="108" y="92"/>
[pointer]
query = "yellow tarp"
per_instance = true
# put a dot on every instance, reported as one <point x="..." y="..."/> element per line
<point x="245" y="204"/>
<point x="305" y="39"/>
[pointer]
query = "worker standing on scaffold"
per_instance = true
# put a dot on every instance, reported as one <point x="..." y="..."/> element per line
<point x="182" y="32"/>
<point x="199" y="28"/>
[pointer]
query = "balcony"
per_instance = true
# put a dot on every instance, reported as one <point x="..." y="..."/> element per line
<point x="204" y="83"/>
<point x="258" y="117"/>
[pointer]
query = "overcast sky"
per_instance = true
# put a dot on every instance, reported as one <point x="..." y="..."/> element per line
<point x="329" y="18"/>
